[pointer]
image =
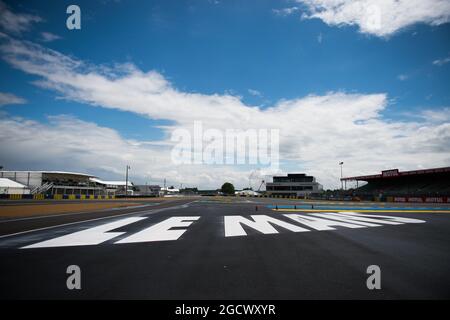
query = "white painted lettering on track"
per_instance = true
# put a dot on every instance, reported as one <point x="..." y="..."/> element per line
<point x="261" y="223"/>
<point x="161" y="231"/>
<point x="234" y="226"/>
<point x="321" y="224"/>
<point x="92" y="236"/>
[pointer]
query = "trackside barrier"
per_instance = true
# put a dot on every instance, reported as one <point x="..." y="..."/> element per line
<point x="420" y="199"/>
<point x="53" y="196"/>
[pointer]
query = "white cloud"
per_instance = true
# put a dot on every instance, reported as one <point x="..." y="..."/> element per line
<point x="80" y="146"/>
<point x="254" y="92"/>
<point x="402" y="77"/>
<point x="443" y="115"/>
<point x="378" y="17"/>
<point x="16" y="22"/>
<point x="49" y="37"/>
<point x="8" y="98"/>
<point x="441" y="62"/>
<point x="286" y="11"/>
<point x="316" y="132"/>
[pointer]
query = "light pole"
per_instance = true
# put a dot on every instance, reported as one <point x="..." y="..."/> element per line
<point x="342" y="185"/>
<point x="126" y="181"/>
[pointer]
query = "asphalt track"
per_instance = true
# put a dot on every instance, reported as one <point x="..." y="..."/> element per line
<point x="414" y="258"/>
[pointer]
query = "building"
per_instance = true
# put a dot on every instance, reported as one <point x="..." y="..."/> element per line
<point x="170" y="191"/>
<point x="427" y="185"/>
<point x="55" y="182"/>
<point x="8" y="186"/>
<point x="148" y="190"/>
<point x="294" y="184"/>
<point x="114" y="187"/>
<point x="65" y="183"/>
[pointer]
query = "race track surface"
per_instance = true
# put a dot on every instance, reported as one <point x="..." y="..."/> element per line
<point x="215" y="257"/>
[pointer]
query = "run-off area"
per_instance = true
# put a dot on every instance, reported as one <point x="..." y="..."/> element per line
<point x="172" y="228"/>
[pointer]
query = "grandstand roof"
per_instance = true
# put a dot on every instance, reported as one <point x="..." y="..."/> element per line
<point x="50" y="172"/>
<point x="113" y="183"/>
<point x="395" y="173"/>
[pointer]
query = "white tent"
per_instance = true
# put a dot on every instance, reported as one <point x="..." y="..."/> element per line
<point x="245" y="193"/>
<point x="8" y="186"/>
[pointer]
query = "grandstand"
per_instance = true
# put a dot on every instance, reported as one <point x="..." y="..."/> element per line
<point x="60" y="183"/>
<point x="427" y="185"/>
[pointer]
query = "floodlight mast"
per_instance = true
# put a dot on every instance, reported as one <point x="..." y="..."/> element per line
<point x="342" y="182"/>
<point x="126" y="180"/>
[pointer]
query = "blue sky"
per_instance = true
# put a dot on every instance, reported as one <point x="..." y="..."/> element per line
<point x="251" y="50"/>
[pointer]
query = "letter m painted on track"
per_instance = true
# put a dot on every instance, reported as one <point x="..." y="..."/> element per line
<point x="261" y="223"/>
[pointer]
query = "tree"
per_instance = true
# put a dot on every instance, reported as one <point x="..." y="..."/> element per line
<point x="227" y="188"/>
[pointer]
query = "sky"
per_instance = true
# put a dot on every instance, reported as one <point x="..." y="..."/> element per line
<point x="363" y="82"/>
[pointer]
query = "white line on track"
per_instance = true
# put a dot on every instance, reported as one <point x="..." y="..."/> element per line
<point x="101" y="218"/>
